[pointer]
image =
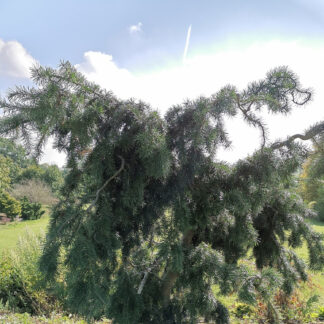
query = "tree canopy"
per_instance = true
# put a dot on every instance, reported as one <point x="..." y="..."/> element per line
<point x="150" y="220"/>
<point x="18" y="167"/>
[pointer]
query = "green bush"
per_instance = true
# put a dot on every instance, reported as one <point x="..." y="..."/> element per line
<point x="320" y="314"/>
<point x="13" y="291"/>
<point x="243" y="310"/>
<point x="30" y="210"/>
<point x="22" y="285"/>
<point x="9" y="205"/>
<point x="319" y="206"/>
<point x="50" y="175"/>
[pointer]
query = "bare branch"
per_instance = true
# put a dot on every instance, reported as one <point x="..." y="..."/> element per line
<point x="253" y="120"/>
<point x="107" y="182"/>
<point x="141" y="286"/>
<point x="310" y="134"/>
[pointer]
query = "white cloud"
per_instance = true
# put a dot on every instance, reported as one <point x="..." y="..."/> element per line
<point x="205" y="74"/>
<point x="15" y="61"/>
<point x="135" y="28"/>
<point x="101" y="68"/>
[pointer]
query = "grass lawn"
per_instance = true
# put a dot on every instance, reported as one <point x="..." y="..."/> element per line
<point x="10" y="233"/>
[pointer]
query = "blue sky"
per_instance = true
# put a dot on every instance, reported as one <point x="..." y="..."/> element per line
<point x="54" y="30"/>
<point x="136" y="48"/>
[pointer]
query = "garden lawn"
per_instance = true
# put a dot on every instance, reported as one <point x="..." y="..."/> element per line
<point x="10" y="233"/>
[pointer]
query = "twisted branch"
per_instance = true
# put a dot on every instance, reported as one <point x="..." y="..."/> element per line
<point x="253" y="120"/>
<point x="107" y="182"/>
<point x="310" y="134"/>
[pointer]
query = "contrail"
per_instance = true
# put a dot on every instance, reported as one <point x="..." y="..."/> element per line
<point x="187" y="45"/>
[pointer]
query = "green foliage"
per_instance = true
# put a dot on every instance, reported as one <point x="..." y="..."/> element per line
<point x="9" y="205"/>
<point x="319" y="205"/>
<point x="51" y="175"/>
<point x="243" y="310"/>
<point x="290" y="309"/>
<point x="15" y="156"/>
<point x="4" y="307"/>
<point x="30" y="210"/>
<point x="320" y="314"/>
<point x="31" y="172"/>
<point x="149" y="220"/>
<point x="312" y="177"/>
<point x="15" y="152"/>
<point x="5" y="180"/>
<point x="295" y="308"/>
<point x="308" y="185"/>
<point x="22" y="287"/>
<point x="17" y="167"/>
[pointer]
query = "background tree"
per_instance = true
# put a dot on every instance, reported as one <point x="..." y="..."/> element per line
<point x="49" y="175"/>
<point x="312" y="177"/>
<point x="15" y="152"/>
<point x="5" y="168"/>
<point x="150" y="221"/>
<point x="17" y="156"/>
<point x="52" y="176"/>
<point x="23" y="167"/>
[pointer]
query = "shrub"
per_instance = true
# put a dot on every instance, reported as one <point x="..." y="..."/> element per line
<point x="4" y="308"/>
<point x="319" y="206"/>
<point x="12" y="288"/>
<point x="22" y="286"/>
<point x="9" y="205"/>
<point x="243" y="310"/>
<point x="36" y="191"/>
<point x="294" y="308"/>
<point x="30" y="210"/>
<point x="320" y="313"/>
<point x="31" y="172"/>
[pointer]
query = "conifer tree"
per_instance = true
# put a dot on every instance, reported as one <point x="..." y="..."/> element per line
<point x="151" y="219"/>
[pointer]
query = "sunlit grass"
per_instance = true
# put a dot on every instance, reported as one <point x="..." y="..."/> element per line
<point x="10" y="233"/>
